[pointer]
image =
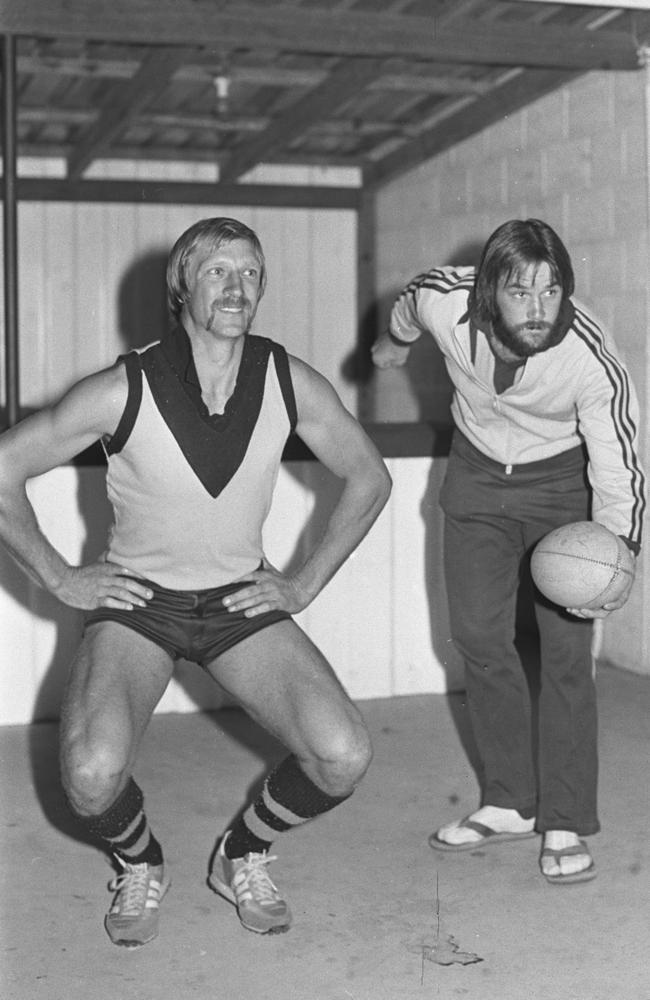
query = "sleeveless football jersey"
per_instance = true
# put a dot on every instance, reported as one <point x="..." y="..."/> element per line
<point x="190" y="491"/>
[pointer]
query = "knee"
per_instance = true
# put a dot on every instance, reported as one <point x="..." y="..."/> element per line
<point x="344" y="759"/>
<point x="92" y="776"/>
<point x="356" y="754"/>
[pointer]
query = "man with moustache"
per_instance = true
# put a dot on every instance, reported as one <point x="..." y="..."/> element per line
<point x="545" y="433"/>
<point x="194" y="428"/>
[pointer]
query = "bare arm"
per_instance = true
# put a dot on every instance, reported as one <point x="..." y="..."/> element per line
<point x="341" y="444"/>
<point x="52" y="437"/>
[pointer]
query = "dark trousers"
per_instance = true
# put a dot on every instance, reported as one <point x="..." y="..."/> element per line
<point x="493" y="518"/>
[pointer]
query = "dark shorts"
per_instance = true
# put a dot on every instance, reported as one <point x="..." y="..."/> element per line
<point x="189" y="624"/>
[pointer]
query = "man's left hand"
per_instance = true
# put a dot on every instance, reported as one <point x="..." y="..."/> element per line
<point x="266" y="590"/>
<point x="610" y="606"/>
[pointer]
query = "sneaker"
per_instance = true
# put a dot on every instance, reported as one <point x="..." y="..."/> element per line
<point x="246" y="883"/>
<point x="133" y="917"/>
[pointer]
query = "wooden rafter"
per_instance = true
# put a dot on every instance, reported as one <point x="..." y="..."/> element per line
<point x="211" y="123"/>
<point x="262" y="76"/>
<point x="629" y="4"/>
<point x="190" y="193"/>
<point x="125" y="104"/>
<point x="349" y="77"/>
<point x="519" y="89"/>
<point x="309" y="83"/>
<point x="297" y="29"/>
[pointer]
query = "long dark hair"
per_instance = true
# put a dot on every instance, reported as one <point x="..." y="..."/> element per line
<point x="511" y="248"/>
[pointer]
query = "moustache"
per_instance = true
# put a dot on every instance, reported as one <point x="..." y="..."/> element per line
<point x="230" y="303"/>
<point x="534" y="326"/>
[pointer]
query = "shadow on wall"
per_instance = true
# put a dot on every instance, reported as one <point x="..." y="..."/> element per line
<point x="426" y="393"/>
<point x="142" y="314"/>
<point x="426" y="371"/>
<point x="430" y="387"/>
<point x="142" y="301"/>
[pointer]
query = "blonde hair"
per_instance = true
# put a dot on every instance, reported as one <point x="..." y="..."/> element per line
<point x="210" y="234"/>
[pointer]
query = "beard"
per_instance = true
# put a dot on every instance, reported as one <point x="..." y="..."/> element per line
<point x="527" y="339"/>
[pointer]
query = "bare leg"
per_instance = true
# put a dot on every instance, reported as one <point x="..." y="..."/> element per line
<point x="115" y="683"/>
<point x="285" y="683"/>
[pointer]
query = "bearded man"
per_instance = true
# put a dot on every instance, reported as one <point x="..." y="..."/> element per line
<point x="546" y="426"/>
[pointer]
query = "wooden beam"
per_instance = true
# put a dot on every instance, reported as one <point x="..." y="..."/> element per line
<point x="261" y="76"/>
<point x="360" y="366"/>
<point x="191" y="193"/>
<point x="296" y="29"/>
<point x="176" y="154"/>
<point x="207" y="123"/>
<point x="124" y="104"/>
<point x="430" y="84"/>
<point x="512" y="95"/>
<point x="10" y="232"/>
<point x="626" y="4"/>
<point x="346" y="78"/>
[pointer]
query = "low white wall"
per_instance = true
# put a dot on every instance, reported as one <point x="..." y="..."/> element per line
<point x="382" y="621"/>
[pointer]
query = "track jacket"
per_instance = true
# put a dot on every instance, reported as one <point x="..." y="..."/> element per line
<point x="576" y="392"/>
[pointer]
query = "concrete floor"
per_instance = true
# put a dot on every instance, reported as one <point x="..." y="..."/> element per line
<point x="370" y="899"/>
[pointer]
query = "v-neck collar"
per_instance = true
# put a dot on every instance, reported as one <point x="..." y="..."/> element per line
<point x="176" y="346"/>
<point x="214" y="446"/>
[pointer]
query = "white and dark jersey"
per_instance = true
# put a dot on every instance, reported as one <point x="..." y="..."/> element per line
<point x="575" y="393"/>
<point x="190" y="491"/>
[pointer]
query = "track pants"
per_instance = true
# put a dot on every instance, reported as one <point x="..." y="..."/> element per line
<point x="493" y="518"/>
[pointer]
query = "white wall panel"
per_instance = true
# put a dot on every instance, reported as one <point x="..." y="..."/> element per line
<point x="351" y="620"/>
<point x="419" y="604"/>
<point x="333" y="306"/>
<point x="91" y="282"/>
<point x="91" y="286"/>
<point x="380" y="621"/>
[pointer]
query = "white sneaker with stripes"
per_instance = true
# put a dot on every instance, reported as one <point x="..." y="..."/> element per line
<point x="133" y="917"/>
<point x="246" y="883"/>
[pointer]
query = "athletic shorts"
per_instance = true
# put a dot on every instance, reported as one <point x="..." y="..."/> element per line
<point x="189" y="624"/>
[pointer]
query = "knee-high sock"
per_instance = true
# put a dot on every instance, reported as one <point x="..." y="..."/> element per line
<point x="288" y="798"/>
<point x="123" y="829"/>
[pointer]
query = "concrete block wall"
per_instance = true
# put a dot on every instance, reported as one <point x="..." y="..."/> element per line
<point x="577" y="158"/>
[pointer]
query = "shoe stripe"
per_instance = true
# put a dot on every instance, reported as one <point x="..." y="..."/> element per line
<point x="245" y="883"/>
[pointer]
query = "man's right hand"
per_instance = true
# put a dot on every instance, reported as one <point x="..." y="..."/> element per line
<point x="102" y="585"/>
<point x="387" y="354"/>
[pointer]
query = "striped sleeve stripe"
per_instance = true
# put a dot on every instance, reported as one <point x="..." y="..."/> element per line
<point x="624" y="423"/>
<point x="440" y="280"/>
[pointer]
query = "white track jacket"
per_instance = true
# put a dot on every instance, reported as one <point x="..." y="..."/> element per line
<point x="576" y="392"/>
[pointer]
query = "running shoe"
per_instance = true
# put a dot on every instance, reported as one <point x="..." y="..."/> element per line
<point x="246" y="883"/>
<point x="133" y="917"/>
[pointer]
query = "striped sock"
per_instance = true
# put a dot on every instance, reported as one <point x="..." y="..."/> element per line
<point x="288" y="798"/>
<point x="123" y="829"/>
